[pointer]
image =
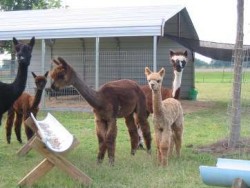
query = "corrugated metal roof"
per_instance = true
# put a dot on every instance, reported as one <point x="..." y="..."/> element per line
<point x="86" y="22"/>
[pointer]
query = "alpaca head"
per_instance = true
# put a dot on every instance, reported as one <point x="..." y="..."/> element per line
<point x="23" y="51"/>
<point x="154" y="78"/>
<point x="40" y="81"/>
<point x="178" y="60"/>
<point x="62" y="74"/>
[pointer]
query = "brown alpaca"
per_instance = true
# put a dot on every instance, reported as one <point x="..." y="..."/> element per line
<point x="168" y="118"/>
<point x="22" y="108"/>
<point x="178" y="60"/>
<point x="122" y="98"/>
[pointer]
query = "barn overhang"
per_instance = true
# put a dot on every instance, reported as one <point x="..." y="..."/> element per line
<point x="214" y="50"/>
<point x="94" y="22"/>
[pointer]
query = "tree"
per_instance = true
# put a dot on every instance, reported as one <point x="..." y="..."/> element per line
<point x="236" y="92"/>
<point x="9" y="5"/>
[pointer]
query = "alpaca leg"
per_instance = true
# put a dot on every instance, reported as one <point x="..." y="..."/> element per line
<point x="101" y="130"/>
<point x="9" y="124"/>
<point x="140" y="134"/>
<point x="172" y="145"/>
<point x="28" y="130"/>
<point x="18" y="125"/>
<point x="143" y="122"/>
<point x="141" y="141"/>
<point x="132" y="129"/>
<point x="157" y="142"/>
<point x="111" y="140"/>
<point x="165" y="145"/>
<point x="178" y="132"/>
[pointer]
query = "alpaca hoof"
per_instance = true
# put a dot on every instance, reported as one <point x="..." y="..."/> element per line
<point x="149" y="151"/>
<point x="111" y="161"/>
<point x="8" y="139"/>
<point x="99" y="161"/>
<point x="141" y="147"/>
<point x="133" y="151"/>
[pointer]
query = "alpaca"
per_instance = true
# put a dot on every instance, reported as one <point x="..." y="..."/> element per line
<point x="22" y="108"/>
<point x="178" y="60"/>
<point x="10" y="92"/>
<point x="122" y="98"/>
<point x="168" y="118"/>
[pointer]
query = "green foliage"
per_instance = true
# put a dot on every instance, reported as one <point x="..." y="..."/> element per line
<point x="219" y="76"/>
<point x="9" y="5"/>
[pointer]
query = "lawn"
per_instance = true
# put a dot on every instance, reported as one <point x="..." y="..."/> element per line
<point x="202" y="127"/>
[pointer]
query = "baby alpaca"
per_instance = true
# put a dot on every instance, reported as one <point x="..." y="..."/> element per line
<point x="22" y="108"/>
<point x="168" y="118"/>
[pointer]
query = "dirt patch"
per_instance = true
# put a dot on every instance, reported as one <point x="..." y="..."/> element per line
<point x="220" y="148"/>
<point x="194" y="106"/>
<point x="79" y="102"/>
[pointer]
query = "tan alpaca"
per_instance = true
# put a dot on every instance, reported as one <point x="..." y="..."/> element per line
<point x="168" y="118"/>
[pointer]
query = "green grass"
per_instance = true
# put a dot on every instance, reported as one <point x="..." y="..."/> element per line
<point x="218" y="76"/>
<point x="139" y="171"/>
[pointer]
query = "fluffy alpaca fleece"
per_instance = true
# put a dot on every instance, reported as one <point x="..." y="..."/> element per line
<point x="178" y="60"/>
<point x="168" y="118"/>
<point x="22" y="108"/>
<point x="115" y="99"/>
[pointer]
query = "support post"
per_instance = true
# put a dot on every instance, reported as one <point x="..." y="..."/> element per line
<point x="43" y="68"/>
<point x="155" y="53"/>
<point x="97" y="43"/>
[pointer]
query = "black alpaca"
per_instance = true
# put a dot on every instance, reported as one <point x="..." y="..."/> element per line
<point x="10" y="92"/>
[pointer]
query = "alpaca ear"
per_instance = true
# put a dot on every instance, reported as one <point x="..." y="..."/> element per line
<point x="15" y="41"/>
<point x="162" y="72"/>
<point x="63" y="62"/>
<point x="186" y="53"/>
<point x="171" y="53"/>
<point x="46" y="74"/>
<point x="147" y="71"/>
<point x="33" y="74"/>
<point x="32" y="42"/>
<point x="56" y="62"/>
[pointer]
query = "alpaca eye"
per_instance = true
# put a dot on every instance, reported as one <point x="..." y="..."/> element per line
<point x="149" y="80"/>
<point x="158" y="81"/>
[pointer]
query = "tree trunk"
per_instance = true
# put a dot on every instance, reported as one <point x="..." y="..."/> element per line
<point x="236" y="92"/>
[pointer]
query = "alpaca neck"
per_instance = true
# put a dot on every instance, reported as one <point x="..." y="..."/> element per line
<point x="157" y="102"/>
<point x="20" y="80"/>
<point x="176" y="84"/>
<point x="90" y="95"/>
<point x="37" y="98"/>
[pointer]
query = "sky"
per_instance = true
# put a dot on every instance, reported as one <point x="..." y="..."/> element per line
<point x="214" y="20"/>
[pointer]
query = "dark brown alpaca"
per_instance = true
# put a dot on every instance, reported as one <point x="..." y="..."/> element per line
<point x="10" y="92"/>
<point x="178" y="60"/>
<point x="122" y="98"/>
<point x="22" y="108"/>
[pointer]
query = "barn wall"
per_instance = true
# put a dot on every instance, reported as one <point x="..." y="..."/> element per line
<point x="120" y="58"/>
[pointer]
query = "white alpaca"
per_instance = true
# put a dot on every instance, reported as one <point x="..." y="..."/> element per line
<point x="168" y="118"/>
